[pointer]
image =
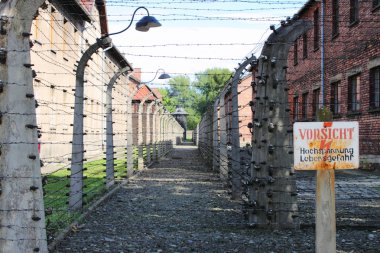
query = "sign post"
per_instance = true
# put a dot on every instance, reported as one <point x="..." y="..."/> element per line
<point x="325" y="147"/>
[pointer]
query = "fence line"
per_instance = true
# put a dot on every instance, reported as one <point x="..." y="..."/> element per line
<point x="273" y="194"/>
<point x="41" y="193"/>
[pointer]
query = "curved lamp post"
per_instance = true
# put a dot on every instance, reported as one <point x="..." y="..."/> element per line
<point x="164" y="75"/>
<point x="143" y="25"/>
<point x="77" y="157"/>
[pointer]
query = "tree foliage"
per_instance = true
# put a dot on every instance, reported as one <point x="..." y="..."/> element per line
<point x="195" y="97"/>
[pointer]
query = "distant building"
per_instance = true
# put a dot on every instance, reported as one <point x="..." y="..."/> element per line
<point x="181" y="116"/>
<point x="352" y="69"/>
<point x="143" y="97"/>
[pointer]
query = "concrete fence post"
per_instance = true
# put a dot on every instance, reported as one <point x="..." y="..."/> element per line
<point x="21" y="201"/>
<point x="77" y="156"/>
<point x="215" y="136"/>
<point x="237" y="172"/>
<point x="272" y="195"/>
<point x="223" y="152"/>
<point x="129" y="138"/>
<point x="149" y="128"/>
<point x="155" y="132"/>
<point x="164" y="133"/>
<point x="110" y="177"/>
<point x="159" y="133"/>
<point x="197" y="137"/>
<point x="142" y="114"/>
<point x="130" y="133"/>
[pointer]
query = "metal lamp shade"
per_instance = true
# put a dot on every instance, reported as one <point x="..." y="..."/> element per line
<point x="147" y="22"/>
<point x="164" y="76"/>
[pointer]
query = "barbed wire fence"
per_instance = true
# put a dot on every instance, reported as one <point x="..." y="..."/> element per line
<point x="273" y="194"/>
<point x="38" y="100"/>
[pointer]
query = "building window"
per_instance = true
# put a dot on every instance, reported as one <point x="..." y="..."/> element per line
<point x="304" y="105"/>
<point x="354" y="93"/>
<point x="316" y="101"/>
<point x="354" y="11"/>
<point x="335" y="18"/>
<point x="295" y="53"/>
<point x="304" y="40"/>
<point x="375" y="88"/>
<point x="316" y="29"/>
<point x="335" y="97"/>
<point x="375" y="4"/>
<point x="295" y="108"/>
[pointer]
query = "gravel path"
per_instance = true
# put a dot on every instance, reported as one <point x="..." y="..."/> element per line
<point x="178" y="205"/>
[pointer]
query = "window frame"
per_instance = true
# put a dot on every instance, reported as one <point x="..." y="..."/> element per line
<point x="354" y="12"/>
<point x="316" y="101"/>
<point x="374" y="84"/>
<point x="304" y="105"/>
<point x="304" y="41"/>
<point x="335" y="97"/>
<point x="375" y="5"/>
<point x="353" y="100"/>
<point x="335" y="18"/>
<point x="316" y="29"/>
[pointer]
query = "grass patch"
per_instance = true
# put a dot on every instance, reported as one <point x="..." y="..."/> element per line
<point x="57" y="188"/>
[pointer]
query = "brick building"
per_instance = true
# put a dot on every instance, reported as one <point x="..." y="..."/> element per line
<point x="245" y="112"/>
<point x="351" y="87"/>
<point x="61" y="32"/>
<point x="143" y="97"/>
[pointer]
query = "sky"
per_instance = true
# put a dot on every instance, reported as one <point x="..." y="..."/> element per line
<point x="195" y="35"/>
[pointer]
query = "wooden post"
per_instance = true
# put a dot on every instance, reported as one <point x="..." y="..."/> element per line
<point x="325" y="212"/>
<point x="325" y="222"/>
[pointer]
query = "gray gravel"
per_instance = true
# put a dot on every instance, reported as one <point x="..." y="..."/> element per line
<point x="179" y="205"/>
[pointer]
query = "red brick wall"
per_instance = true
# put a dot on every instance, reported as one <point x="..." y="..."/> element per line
<point x="245" y="112"/>
<point x="355" y="49"/>
<point x="228" y="113"/>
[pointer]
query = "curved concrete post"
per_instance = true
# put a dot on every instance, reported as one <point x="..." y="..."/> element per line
<point x="272" y="147"/>
<point x="130" y="132"/>
<point x="77" y="155"/>
<point x="166" y="134"/>
<point x="237" y="172"/>
<point x="162" y="135"/>
<point x="21" y="204"/>
<point x="149" y="131"/>
<point x="141" y="131"/>
<point x="155" y="132"/>
<point x="171" y="132"/>
<point x="215" y="136"/>
<point x="110" y="177"/>
<point x="223" y="152"/>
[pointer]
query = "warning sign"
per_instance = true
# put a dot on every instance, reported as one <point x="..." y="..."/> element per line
<point x="326" y="145"/>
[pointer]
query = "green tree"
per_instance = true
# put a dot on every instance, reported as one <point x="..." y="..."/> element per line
<point x="195" y="96"/>
<point x="169" y="102"/>
<point x="210" y="83"/>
